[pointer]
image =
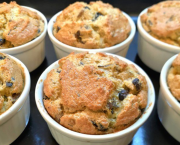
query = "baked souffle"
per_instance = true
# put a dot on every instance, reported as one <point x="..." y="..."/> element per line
<point x="95" y="93"/>
<point x="11" y="82"/>
<point x="173" y="78"/>
<point x="162" y="21"/>
<point x="18" y="25"/>
<point x="92" y="26"/>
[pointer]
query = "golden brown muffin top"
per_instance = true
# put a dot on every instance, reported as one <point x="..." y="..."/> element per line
<point x="95" y="93"/>
<point x="173" y="78"/>
<point x="18" y="25"/>
<point x="162" y="21"/>
<point x="11" y="82"/>
<point x="93" y="25"/>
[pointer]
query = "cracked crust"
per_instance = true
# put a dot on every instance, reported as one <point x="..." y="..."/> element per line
<point x="162" y="21"/>
<point x="11" y="82"/>
<point x="18" y="25"/>
<point x="96" y="93"/>
<point x="173" y="78"/>
<point x="91" y="26"/>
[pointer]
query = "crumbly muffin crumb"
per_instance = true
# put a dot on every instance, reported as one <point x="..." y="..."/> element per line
<point x="91" y="26"/>
<point x="95" y="93"/>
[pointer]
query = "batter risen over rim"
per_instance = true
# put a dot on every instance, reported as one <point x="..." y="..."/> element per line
<point x="11" y="82"/>
<point x="162" y="21"/>
<point x="91" y="26"/>
<point x="18" y="25"/>
<point x="95" y="93"/>
<point x="173" y="78"/>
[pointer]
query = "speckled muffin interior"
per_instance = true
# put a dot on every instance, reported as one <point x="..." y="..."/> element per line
<point x="173" y="78"/>
<point x="91" y="26"/>
<point x="11" y="82"/>
<point x="95" y="93"/>
<point x="18" y="25"/>
<point x="162" y="21"/>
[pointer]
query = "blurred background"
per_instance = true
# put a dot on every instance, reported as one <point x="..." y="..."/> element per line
<point x="51" y="7"/>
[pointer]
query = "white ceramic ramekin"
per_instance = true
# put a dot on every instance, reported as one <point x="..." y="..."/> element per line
<point x="32" y="53"/>
<point x="168" y="106"/>
<point x="153" y="52"/>
<point x="15" y="119"/>
<point x="65" y="136"/>
<point x="63" y="50"/>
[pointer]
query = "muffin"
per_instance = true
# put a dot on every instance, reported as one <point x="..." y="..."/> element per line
<point x="11" y="82"/>
<point x="173" y="78"/>
<point x="162" y="21"/>
<point x="95" y="93"/>
<point x="94" y="25"/>
<point x="18" y="25"/>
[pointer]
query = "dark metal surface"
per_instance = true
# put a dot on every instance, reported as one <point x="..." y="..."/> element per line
<point x="51" y="7"/>
<point x="37" y="132"/>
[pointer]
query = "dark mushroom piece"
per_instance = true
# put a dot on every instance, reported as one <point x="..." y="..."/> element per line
<point x="2" y="41"/>
<point x="9" y="84"/>
<point x="137" y="84"/>
<point x="122" y="94"/>
<point x="97" y="15"/>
